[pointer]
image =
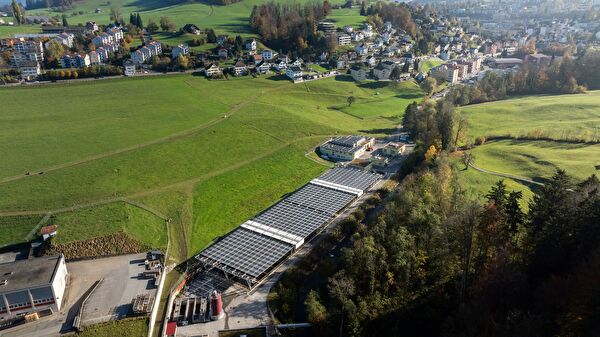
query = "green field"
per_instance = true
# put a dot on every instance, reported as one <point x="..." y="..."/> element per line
<point x="231" y="19"/>
<point x="15" y="229"/>
<point x="563" y="121"/>
<point x="556" y="117"/>
<point x="102" y="220"/>
<point x="208" y="154"/>
<point x="430" y="63"/>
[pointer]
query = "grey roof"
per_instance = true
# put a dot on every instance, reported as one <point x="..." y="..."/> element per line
<point x="350" y="177"/>
<point x="248" y="252"/>
<point x="292" y="218"/>
<point x="340" y="148"/>
<point x="321" y="198"/>
<point x="349" y="141"/>
<point x="31" y="273"/>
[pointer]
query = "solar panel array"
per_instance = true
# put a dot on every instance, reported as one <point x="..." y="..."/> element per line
<point x="350" y="177"/>
<point x="321" y="198"/>
<point x="253" y="252"/>
<point x="294" y="219"/>
<point x="235" y="249"/>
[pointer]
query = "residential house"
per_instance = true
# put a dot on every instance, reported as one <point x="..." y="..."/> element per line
<point x="282" y="63"/>
<point x="344" y="39"/>
<point x="116" y="34"/>
<point x="221" y="39"/>
<point x="383" y="70"/>
<point x="27" y="50"/>
<point x="453" y="74"/>
<point x="268" y="54"/>
<point x="358" y="36"/>
<point x="75" y="61"/>
<point x="250" y="44"/>
<point x="240" y="69"/>
<point x="263" y="67"/>
<point x="91" y="27"/>
<point x="102" y="38"/>
<point x="155" y="48"/>
<point x="65" y="39"/>
<point x="348" y="29"/>
<point x="30" y="70"/>
<point x="180" y="49"/>
<point x="94" y="58"/>
<point x="223" y="53"/>
<point x="294" y="73"/>
<point x="361" y="49"/>
<point x="257" y="59"/>
<point x="359" y="73"/>
<point x="297" y="63"/>
<point x="371" y="61"/>
<point x="102" y="54"/>
<point x="191" y="29"/>
<point x="538" y="59"/>
<point x="129" y="68"/>
<point x="212" y="70"/>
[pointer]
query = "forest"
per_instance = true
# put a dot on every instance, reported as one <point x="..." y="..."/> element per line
<point x="434" y="262"/>
<point x="290" y="27"/>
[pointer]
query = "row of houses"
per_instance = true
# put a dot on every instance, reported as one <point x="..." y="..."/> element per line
<point x="459" y="70"/>
<point x="145" y="53"/>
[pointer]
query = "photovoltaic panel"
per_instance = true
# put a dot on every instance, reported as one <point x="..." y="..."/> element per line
<point x="321" y="198"/>
<point x="248" y="251"/>
<point x="350" y="177"/>
<point x="292" y="218"/>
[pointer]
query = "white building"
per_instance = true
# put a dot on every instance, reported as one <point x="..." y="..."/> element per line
<point x="33" y="285"/>
<point x="181" y="49"/>
<point x="346" y="148"/>
<point x="129" y="68"/>
<point x="294" y="73"/>
<point x="344" y="39"/>
<point x="30" y="70"/>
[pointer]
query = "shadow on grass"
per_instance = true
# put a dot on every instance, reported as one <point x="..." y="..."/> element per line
<point x="344" y="78"/>
<point x="278" y="78"/>
<point x="374" y="85"/>
<point x="380" y="130"/>
<point x="413" y="96"/>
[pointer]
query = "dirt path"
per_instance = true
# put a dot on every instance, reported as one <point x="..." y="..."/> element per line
<point x="506" y="175"/>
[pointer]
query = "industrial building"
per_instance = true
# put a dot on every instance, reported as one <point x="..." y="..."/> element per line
<point x="250" y="252"/>
<point x="32" y="286"/>
<point x="346" y="148"/>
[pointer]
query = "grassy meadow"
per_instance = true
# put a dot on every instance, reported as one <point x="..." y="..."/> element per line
<point x="231" y="19"/>
<point x="555" y="129"/>
<point x="208" y="154"/>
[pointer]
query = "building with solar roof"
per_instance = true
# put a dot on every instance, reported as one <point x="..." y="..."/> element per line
<point x="250" y="252"/>
<point x="346" y="148"/>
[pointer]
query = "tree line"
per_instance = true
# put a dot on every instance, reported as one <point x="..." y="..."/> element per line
<point x="435" y="262"/>
<point x="290" y="27"/>
<point x="93" y="71"/>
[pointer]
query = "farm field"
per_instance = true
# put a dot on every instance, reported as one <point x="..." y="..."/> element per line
<point x="209" y="157"/>
<point x="555" y="119"/>
<point x="231" y="19"/>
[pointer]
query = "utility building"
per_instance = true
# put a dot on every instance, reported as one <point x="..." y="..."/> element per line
<point x="32" y="286"/>
<point x="346" y="148"/>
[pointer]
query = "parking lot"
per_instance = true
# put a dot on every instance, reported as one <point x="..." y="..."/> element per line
<point x="111" y="299"/>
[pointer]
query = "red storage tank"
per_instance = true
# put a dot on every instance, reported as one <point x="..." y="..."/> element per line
<point x="216" y="306"/>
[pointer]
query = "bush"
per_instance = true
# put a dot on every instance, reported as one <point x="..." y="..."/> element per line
<point x="480" y="140"/>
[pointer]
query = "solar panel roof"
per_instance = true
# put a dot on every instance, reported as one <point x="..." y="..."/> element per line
<point x="350" y="177"/>
<point x="292" y="218"/>
<point x="248" y="251"/>
<point x="321" y="198"/>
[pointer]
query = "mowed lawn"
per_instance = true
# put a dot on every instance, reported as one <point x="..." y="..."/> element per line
<point x="243" y="147"/>
<point x="555" y="117"/>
